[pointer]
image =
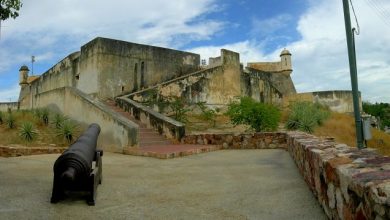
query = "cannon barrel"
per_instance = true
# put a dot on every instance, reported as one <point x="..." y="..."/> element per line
<point x="73" y="169"/>
<point x="77" y="160"/>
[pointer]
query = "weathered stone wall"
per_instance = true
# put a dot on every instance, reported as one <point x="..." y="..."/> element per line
<point x="264" y="140"/>
<point x="121" y="67"/>
<point x="60" y="75"/>
<point x="282" y="82"/>
<point x="348" y="183"/>
<point x="216" y="86"/>
<point x="260" y="88"/>
<point x="16" y="151"/>
<point x="337" y="100"/>
<point x="117" y="133"/>
<point x="4" y="106"/>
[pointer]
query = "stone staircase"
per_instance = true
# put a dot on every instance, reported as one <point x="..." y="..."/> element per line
<point x="147" y="136"/>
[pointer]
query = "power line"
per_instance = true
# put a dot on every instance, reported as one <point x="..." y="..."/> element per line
<point x="357" y="32"/>
<point x="379" y="12"/>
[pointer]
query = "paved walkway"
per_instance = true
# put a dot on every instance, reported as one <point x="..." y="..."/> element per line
<point x="227" y="184"/>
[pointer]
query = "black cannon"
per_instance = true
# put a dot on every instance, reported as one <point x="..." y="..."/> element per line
<point x="75" y="171"/>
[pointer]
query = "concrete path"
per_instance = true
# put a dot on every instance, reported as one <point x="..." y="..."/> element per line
<point x="228" y="184"/>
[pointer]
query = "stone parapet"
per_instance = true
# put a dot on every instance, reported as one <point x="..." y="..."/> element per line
<point x="348" y="183"/>
<point x="265" y="140"/>
<point x="15" y="151"/>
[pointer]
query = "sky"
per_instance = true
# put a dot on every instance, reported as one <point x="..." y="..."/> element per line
<point x="312" y="30"/>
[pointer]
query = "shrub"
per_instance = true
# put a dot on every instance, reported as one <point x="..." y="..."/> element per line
<point x="207" y="114"/>
<point x="58" y="120"/>
<point x="10" y="121"/>
<point x="178" y="106"/>
<point x="27" y="131"/>
<point x="67" y="130"/>
<point x="305" y="116"/>
<point x="260" y="116"/>
<point x="1" y="118"/>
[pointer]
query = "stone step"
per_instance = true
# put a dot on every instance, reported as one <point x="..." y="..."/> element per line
<point x="147" y="136"/>
<point x="154" y="143"/>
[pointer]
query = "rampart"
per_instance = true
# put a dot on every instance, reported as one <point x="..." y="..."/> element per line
<point x="337" y="100"/>
<point x="109" y="68"/>
<point x="117" y="132"/>
<point x="5" y="106"/>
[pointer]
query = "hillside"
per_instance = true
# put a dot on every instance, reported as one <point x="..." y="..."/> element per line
<point x="342" y="128"/>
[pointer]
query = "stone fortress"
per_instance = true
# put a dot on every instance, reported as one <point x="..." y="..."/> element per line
<point x="105" y="69"/>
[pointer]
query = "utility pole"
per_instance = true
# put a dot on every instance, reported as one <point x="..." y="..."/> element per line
<point x="353" y="72"/>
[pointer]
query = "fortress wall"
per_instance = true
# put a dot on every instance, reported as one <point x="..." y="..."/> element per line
<point x="4" y="106"/>
<point x="215" y="86"/>
<point x="60" y="75"/>
<point x="338" y="100"/>
<point x="122" y="67"/>
<point x="266" y="66"/>
<point x="117" y="133"/>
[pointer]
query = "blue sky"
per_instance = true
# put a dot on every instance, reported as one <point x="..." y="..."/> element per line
<point x="313" y="30"/>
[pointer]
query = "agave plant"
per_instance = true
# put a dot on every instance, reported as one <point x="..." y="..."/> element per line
<point x="27" y="131"/>
<point x="10" y="121"/>
<point x="67" y="130"/>
<point x="58" y="120"/>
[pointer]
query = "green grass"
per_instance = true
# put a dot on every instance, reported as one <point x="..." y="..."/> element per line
<point x="46" y="134"/>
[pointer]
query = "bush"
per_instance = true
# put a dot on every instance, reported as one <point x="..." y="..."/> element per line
<point x="67" y="131"/>
<point x="27" y="131"/>
<point x="10" y="121"/>
<point x="260" y="116"/>
<point x="305" y="116"/>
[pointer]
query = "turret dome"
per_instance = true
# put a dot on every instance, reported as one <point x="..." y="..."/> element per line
<point x="285" y="52"/>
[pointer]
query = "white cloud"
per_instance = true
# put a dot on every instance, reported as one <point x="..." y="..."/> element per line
<point x="320" y="59"/>
<point x="148" y="21"/>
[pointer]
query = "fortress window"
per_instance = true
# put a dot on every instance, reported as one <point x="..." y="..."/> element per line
<point x="142" y="74"/>
<point x="135" y="77"/>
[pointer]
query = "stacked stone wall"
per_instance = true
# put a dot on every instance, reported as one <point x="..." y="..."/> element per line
<point x="348" y="183"/>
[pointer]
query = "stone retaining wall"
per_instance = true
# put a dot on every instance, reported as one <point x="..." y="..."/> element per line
<point x="349" y="183"/>
<point x="266" y="140"/>
<point x="15" y="151"/>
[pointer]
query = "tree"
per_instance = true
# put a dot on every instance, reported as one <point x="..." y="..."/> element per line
<point x="9" y="9"/>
